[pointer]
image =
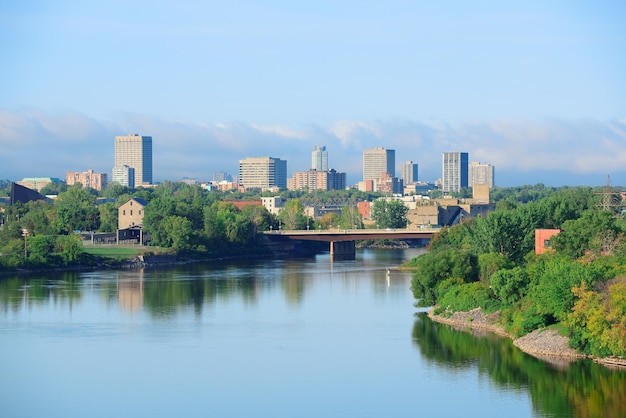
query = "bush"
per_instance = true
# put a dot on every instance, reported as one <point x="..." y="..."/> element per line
<point x="467" y="296"/>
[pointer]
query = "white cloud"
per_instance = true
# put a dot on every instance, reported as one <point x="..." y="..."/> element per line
<point x="35" y="143"/>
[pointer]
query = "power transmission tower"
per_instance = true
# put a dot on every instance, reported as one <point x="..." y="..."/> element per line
<point x="611" y="199"/>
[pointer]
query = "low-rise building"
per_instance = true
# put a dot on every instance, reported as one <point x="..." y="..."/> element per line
<point x="130" y="214"/>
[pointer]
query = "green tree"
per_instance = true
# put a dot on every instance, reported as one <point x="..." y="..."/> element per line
<point x="389" y="213"/>
<point x="76" y="210"/>
<point x="350" y="218"/>
<point x="510" y="285"/>
<point x="154" y="215"/>
<point x="70" y="247"/>
<point x="292" y="215"/>
<point x="596" y="232"/>
<point x="178" y="232"/>
<point x="489" y="264"/>
<point x="108" y="217"/>
<point x="434" y="268"/>
<point x="39" y="248"/>
<point x="115" y="190"/>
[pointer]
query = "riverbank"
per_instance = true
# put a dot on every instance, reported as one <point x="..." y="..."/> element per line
<point x="545" y="344"/>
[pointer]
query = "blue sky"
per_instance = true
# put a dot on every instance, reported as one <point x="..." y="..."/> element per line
<point x="536" y="88"/>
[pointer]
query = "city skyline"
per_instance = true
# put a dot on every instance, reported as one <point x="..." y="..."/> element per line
<point x="534" y="88"/>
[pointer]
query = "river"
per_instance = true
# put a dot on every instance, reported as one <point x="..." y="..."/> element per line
<point x="268" y="338"/>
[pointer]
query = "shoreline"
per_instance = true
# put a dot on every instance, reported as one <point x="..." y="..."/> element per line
<point x="545" y="344"/>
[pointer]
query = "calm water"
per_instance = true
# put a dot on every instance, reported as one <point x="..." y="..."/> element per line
<point x="283" y="338"/>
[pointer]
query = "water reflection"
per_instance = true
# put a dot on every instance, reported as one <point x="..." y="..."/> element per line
<point x="354" y="313"/>
<point x="583" y="389"/>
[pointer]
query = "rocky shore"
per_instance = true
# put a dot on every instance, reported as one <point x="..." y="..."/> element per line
<point x="546" y="344"/>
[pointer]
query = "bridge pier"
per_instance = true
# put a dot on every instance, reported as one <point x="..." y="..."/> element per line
<point x="343" y="249"/>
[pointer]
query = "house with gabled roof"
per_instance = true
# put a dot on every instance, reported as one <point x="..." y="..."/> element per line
<point x="130" y="214"/>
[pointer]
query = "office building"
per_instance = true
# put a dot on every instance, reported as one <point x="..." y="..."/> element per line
<point x="88" y="179"/>
<point x="377" y="162"/>
<point x="263" y="173"/>
<point x="409" y="172"/>
<point x="480" y="174"/>
<point x="124" y="175"/>
<point x="454" y="171"/>
<point x="135" y="151"/>
<point x="319" y="158"/>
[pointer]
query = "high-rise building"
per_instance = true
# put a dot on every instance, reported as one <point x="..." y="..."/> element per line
<point x="378" y="161"/>
<point x="481" y="174"/>
<point x="96" y="181"/>
<point x="409" y="172"/>
<point x="124" y="175"/>
<point x="319" y="158"/>
<point x="263" y="173"/>
<point x="454" y="173"/>
<point x="135" y="151"/>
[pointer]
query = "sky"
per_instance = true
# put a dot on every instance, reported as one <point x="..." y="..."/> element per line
<point x="535" y="88"/>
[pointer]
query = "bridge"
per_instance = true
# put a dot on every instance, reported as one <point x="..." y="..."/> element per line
<point x="342" y="241"/>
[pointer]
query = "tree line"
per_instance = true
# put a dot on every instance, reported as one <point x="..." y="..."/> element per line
<point x="490" y="262"/>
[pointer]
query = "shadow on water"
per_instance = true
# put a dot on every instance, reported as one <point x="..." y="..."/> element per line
<point x="580" y="389"/>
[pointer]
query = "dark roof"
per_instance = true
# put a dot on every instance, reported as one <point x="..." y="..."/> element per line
<point x="24" y="194"/>
<point x="142" y="202"/>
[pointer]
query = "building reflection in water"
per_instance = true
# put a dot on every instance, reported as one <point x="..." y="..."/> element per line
<point x="130" y="291"/>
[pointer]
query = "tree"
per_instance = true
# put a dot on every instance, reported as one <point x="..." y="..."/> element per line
<point x="76" y="210"/>
<point x="178" y="231"/>
<point x="259" y="216"/>
<point x="69" y="247"/>
<point x="510" y="285"/>
<point x="350" y="218"/>
<point x="115" y="190"/>
<point x="155" y="213"/>
<point x="489" y="264"/>
<point x="596" y="231"/>
<point x="434" y="268"/>
<point x="292" y="215"/>
<point x="389" y="213"/>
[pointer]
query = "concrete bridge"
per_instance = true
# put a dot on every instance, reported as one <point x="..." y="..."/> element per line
<point x="342" y="241"/>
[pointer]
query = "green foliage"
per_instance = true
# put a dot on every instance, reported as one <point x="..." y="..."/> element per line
<point x="552" y="291"/>
<point x="457" y="236"/>
<point x="76" y="210"/>
<point x="54" y="188"/>
<point x="108" y="217"/>
<point x="435" y="267"/>
<point x="115" y="190"/>
<point x="178" y="232"/>
<point x="595" y="231"/>
<point x="489" y="264"/>
<point x="292" y="215"/>
<point x="389" y="213"/>
<point x="467" y="296"/>
<point x="510" y="285"/>
<point x="598" y="320"/>
<point x="70" y="247"/>
<point x="350" y="218"/>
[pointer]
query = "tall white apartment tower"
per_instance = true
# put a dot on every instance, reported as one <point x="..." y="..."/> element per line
<point x="481" y="174"/>
<point x="409" y="172"/>
<point x="454" y="171"/>
<point x="135" y="151"/>
<point x="378" y="161"/>
<point x="319" y="158"/>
